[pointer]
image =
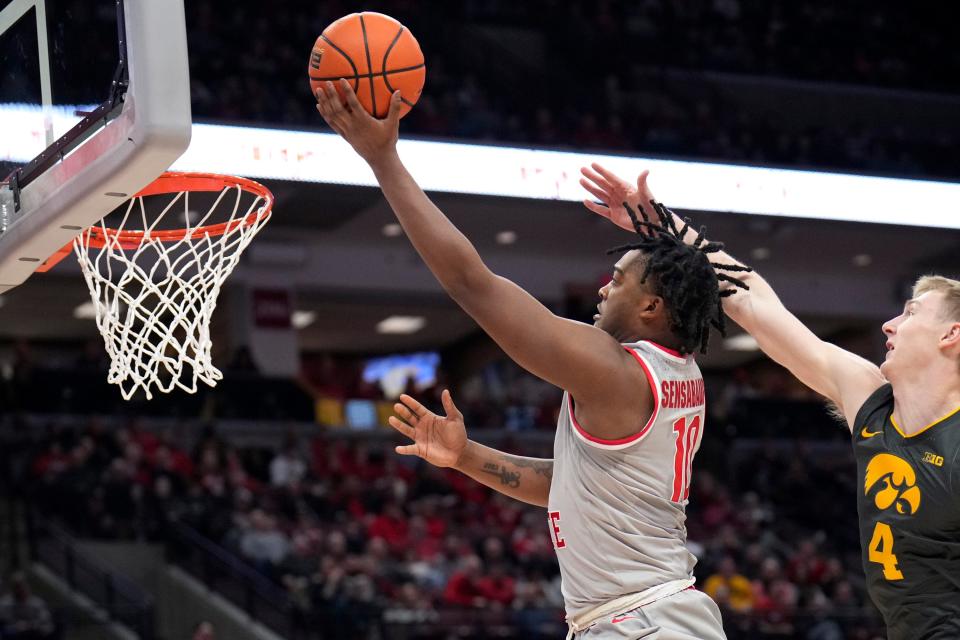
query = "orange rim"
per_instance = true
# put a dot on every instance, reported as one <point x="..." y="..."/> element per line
<point x="175" y="182"/>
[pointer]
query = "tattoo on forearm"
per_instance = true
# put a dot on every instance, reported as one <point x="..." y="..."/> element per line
<point x="540" y="467"/>
<point x="507" y="478"/>
<point x="512" y="478"/>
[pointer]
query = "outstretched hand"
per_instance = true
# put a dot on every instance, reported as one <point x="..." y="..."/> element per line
<point x="369" y="136"/>
<point x="440" y="440"/>
<point x="613" y="191"/>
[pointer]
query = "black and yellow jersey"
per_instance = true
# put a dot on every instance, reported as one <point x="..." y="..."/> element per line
<point x="908" y="500"/>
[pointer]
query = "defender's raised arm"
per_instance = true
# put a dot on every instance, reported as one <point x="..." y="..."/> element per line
<point x="843" y="377"/>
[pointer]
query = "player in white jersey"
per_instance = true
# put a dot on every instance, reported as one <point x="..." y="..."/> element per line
<point x="633" y="404"/>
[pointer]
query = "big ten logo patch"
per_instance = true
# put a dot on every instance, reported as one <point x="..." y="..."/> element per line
<point x="933" y="459"/>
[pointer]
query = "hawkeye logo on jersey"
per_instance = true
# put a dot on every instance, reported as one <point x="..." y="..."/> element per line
<point x="893" y="483"/>
<point x="933" y="459"/>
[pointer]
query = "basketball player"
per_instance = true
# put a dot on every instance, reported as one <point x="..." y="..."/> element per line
<point x="633" y="407"/>
<point x="904" y="418"/>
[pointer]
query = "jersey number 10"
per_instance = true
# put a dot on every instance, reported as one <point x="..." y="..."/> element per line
<point x="687" y="436"/>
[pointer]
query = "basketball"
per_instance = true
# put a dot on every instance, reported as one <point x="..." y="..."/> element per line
<point x="376" y="54"/>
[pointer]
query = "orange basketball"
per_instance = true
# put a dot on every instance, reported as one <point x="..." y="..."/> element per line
<point x="376" y="54"/>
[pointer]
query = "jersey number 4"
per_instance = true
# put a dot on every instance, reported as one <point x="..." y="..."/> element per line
<point x="687" y="436"/>
<point x="881" y="551"/>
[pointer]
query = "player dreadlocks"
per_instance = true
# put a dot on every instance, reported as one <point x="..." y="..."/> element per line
<point x="683" y="275"/>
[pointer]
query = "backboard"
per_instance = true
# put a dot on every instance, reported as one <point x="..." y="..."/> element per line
<point x="94" y="105"/>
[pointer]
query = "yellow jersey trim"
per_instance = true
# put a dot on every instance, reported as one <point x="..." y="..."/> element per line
<point x="932" y="424"/>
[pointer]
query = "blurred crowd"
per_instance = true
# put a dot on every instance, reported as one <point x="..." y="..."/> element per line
<point x="595" y="75"/>
<point x="691" y="78"/>
<point x="44" y="379"/>
<point x="780" y="559"/>
<point x="356" y="534"/>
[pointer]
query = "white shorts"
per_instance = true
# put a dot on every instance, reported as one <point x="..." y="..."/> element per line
<point x="687" y="615"/>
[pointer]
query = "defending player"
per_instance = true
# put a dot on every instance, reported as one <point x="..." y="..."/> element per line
<point x="633" y="407"/>
<point x="904" y="419"/>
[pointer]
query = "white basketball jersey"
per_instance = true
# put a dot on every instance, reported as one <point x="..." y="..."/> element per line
<point x="616" y="509"/>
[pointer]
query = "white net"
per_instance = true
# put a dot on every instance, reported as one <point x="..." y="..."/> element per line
<point x="154" y="288"/>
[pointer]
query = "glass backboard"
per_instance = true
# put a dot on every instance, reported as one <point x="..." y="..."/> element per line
<point x="94" y="105"/>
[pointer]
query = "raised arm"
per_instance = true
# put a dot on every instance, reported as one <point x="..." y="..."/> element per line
<point x="607" y="384"/>
<point x="844" y="378"/>
<point x="442" y="441"/>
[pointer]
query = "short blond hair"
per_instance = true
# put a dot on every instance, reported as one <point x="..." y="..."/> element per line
<point x="951" y="294"/>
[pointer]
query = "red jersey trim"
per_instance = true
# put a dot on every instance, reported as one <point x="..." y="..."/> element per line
<point x="622" y="442"/>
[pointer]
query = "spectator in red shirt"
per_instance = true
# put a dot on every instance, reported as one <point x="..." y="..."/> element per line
<point x="463" y="588"/>
<point x="172" y="461"/>
<point x="391" y="525"/>
<point x="806" y="566"/>
<point x="423" y="545"/>
<point x="52" y="461"/>
<point x="497" y="587"/>
<point x="436" y="523"/>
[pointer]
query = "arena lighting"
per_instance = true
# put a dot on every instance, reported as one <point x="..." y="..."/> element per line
<point x="85" y="311"/>
<point x="302" y="319"/>
<point x="401" y="324"/>
<point x="532" y="173"/>
<point x="742" y="342"/>
<point x="392" y="230"/>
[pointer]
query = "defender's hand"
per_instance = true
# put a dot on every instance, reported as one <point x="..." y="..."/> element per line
<point x="438" y="440"/>
<point x="613" y="191"/>
<point x="370" y="137"/>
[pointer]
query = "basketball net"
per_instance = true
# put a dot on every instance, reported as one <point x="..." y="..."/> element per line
<point x="154" y="290"/>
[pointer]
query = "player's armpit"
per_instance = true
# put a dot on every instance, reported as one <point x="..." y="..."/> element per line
<point x="855" y="379"/>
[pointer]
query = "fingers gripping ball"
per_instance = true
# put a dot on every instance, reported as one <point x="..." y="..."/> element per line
<point x="376" y="54"/>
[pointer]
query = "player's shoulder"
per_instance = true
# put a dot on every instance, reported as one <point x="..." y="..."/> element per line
<point x="881" y="400"/>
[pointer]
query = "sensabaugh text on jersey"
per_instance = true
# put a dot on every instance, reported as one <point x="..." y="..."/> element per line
<point x="682" y="393"/>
